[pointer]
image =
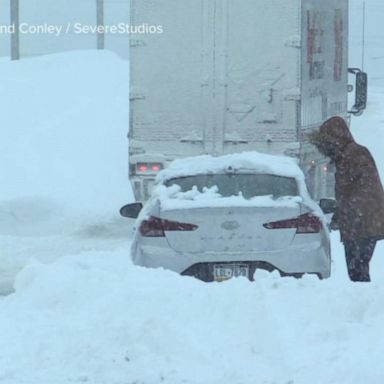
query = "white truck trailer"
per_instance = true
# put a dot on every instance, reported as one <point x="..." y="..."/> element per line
<point x="225" y="76"/>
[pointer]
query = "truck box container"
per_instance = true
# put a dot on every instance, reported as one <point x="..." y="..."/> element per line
<point x="225" y="76"/>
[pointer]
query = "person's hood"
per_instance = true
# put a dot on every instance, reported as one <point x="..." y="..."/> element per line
<point x="335" y="134"/>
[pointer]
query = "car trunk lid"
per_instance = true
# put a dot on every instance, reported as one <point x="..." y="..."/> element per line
<point x="230" y="229"/>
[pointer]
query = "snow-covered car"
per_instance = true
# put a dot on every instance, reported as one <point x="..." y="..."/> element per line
<point x="219" y="217"/>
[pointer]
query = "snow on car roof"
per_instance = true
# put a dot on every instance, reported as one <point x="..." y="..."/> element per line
<point x="255" y="161"/>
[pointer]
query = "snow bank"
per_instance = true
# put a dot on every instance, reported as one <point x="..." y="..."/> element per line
<point x="63" y="147"/>
<point x="98" y="319"/>
<point x="63" y="157"/>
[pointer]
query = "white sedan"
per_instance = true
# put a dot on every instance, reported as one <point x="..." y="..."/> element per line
<point x="220" y="217"/>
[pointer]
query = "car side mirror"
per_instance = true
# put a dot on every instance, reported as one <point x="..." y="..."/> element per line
<point x="328" y="205"/>
<point x="131" y="210"/>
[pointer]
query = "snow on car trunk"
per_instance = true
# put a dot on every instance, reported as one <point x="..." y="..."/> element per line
<point x="229" y="200"/>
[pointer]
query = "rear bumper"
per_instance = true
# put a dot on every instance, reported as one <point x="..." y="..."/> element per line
<point x="308" y="258"/>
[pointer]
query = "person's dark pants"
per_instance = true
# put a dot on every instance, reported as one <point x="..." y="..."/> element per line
<point x="358" y="254"/>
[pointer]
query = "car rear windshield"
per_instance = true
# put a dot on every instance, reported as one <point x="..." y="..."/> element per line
<point x="247" y="185"/>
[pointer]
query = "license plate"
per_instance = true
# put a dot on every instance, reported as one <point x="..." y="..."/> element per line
<point x="222" y="272"/>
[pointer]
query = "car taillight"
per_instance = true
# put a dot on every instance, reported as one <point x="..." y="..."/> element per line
<point x="155" y="227"/>
<point x="306" y="223"/>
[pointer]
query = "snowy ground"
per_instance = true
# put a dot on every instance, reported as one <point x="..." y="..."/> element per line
<point x="95" y="318"/>
<point x="82" y="313"/>
<point x="63" y="157"/>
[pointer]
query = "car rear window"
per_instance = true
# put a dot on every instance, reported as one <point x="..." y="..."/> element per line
<point x="247" y="185"/>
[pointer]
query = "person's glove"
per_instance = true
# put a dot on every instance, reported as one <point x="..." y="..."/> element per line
<point x="334" y="224"/>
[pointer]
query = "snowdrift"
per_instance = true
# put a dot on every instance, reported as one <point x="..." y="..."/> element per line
<point x="63" y="156"/>
<point x="98" y="319"/>
<point x="63" y="147"/>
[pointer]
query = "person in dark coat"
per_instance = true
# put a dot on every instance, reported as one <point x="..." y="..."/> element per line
<point x="359" y="194"/>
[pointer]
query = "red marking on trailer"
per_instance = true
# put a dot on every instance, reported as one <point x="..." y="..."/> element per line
<point x="338" y="63"/>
